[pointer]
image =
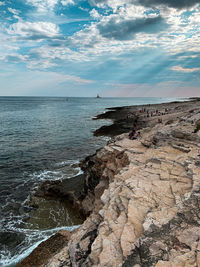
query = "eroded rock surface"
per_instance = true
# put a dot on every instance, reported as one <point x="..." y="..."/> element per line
<point x="143" y="199"/>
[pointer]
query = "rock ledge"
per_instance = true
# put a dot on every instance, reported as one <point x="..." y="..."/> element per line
<point x="141" y="197"/>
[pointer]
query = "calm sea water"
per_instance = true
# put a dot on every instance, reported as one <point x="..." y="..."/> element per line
<point x="40" y="139"/>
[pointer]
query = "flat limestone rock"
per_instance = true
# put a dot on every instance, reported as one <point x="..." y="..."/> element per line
<point x="142" y="196"/>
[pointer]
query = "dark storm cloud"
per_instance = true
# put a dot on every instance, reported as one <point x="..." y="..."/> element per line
<point x="179" y="4"/>
<point x="126" y="29"/>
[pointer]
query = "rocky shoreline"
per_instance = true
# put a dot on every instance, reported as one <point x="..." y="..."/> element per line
<point x="139" y="198"/>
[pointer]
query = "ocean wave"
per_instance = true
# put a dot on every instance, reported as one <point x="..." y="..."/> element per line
<point x="34" y="239"/>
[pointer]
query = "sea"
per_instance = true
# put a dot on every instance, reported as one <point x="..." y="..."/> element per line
<point x="43" y="138"/>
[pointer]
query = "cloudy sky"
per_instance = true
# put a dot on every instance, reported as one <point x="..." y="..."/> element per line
<point x="111" y="47"/>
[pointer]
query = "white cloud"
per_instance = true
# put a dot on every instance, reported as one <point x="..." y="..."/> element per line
<point x="94" y="13"/>
<point x="8" y="46"/>
<point x="43" y="5"/>
<point x="67" y="2"/>
<point x="13" y="11"/>
<point x="84" y="9"/>
<point x="182" y="34"/>
<point x="188" y="70"/>
<point x="76" y="79"/>
<point x="14" y="58"/>
<point x="114" y="4"/>
<point x="34" y="30"/>
<point x="188" y="56"/>
<point x="58" y="78"/>
<point x="195" y="19"/>
<point x="94" y="44"/>
<point x="132" y="12"/>
<point x="45" y="57"/>
<point x="88" y="44"/>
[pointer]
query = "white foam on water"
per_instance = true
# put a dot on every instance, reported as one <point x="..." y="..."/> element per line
<point x="67" y="163"/>
<point x="10" y="261"/>
<point x="33" y="237"/>
<point x="79" y="171"/>
<point x="46" y="175"/>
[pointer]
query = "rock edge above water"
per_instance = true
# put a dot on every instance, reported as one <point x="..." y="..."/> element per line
<point x="141" y="196"/>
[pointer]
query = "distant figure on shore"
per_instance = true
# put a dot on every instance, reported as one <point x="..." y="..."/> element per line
<point x="128" y="115"/>
<point x="136" y="135"/>
<point x="135" y="126"/>
<point x="133" y="134"/>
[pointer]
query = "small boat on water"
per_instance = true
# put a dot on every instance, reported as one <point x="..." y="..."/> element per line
<point x="98" y="96"/>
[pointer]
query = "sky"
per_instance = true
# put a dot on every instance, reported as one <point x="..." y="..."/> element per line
<point x="115" y="48"/>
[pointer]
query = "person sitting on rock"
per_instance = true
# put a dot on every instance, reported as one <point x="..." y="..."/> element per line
<point x="128" y="115"/>
<point x="131" y="134"/>
<point x="136" y="135"/>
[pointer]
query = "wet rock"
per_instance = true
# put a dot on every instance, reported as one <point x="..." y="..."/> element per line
<point x="122" y="122"/>
<point x="69" y="189"/>
<point x="47" y="249"/>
